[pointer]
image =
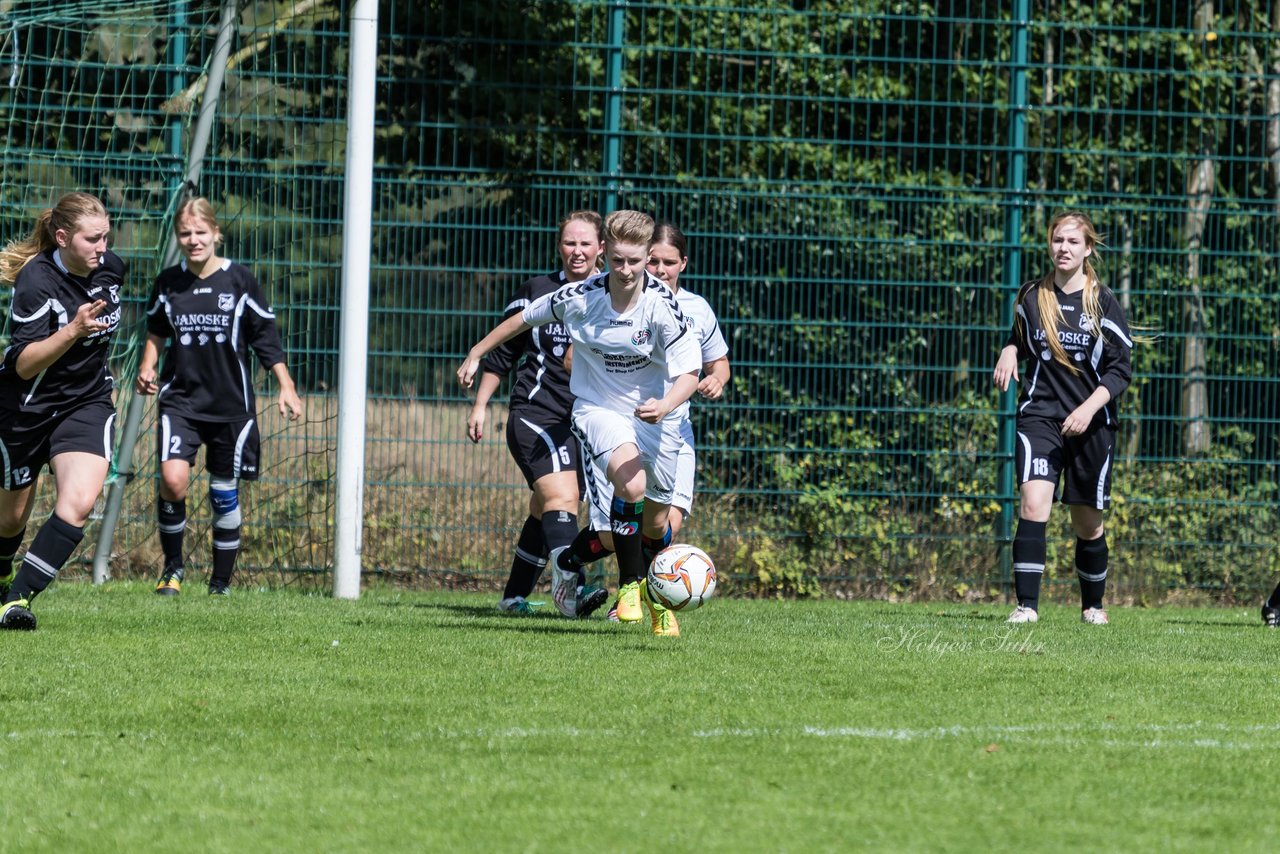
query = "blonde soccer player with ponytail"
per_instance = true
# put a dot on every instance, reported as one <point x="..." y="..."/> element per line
<point x="1070" y="332"/>
<point x="56" y="406"/>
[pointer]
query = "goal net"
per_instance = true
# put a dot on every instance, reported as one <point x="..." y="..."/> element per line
<point x="101" y="97"/>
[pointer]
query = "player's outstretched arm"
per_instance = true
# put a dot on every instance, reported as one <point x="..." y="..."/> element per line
<point x="290" y="404"/>
<point x="503" y="332"/>
<point x="1006" y="368"/>
<point x="489" y="383"/>
<point x="147" y="382"/>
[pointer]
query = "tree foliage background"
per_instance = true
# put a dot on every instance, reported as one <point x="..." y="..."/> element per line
<point x="843" y="172"/>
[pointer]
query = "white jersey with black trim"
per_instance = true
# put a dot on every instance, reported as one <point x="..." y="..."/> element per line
<point x="705" y="327"/>
<point x="536" y="357"/>
<point x="620" y="360"/>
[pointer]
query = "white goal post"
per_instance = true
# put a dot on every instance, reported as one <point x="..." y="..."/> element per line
<point x="353" y="347"/>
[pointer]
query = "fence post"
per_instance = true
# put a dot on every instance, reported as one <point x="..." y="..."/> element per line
<point x="1015" y="200"/>
<point x="613" y="106"/>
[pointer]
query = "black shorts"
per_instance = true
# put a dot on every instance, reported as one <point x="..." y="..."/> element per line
<point x="541" y="447"/>
<point x="232" y="446"/>
<point x="1083" y="462"/>
<point x="28" y="442"/>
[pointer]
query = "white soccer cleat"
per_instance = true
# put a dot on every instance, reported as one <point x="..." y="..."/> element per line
<point x="517" y="605"/>
<point x="564" y="586"/>
<point x="1094" y="617"/>
<point x="1023" y="614"/>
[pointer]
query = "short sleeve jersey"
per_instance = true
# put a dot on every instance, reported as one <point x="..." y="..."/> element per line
<point x="620" y="360"/>
<point x="46" y="297"/>
<point x="536" y="355"/>
<point x="702" y="321"/>
<point x="1098" y="347"/>
<point x="212" y="323"/>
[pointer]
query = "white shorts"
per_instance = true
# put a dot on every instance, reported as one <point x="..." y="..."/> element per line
<point x="686" y="468"/>
<point x="681" y="495"/>
<point x="601" y="431"/>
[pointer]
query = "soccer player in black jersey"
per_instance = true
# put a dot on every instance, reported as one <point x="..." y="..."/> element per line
<point x="213" y="310"/>
<point x="539" y="433"/>
<point x="1071" y="332"/>
<point x="55" y="390"/>
<point x="1271" y="610"/>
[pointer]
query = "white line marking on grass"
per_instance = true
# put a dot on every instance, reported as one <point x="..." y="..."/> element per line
<point x="892" y="734"/>
<point x="1206" y="736"/>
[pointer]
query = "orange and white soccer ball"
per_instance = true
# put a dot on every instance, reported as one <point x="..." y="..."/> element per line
<point x="682" y="577"/>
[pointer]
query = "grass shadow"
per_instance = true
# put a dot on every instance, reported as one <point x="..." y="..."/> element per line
<point x="1254" y="623"/>
<point x="542" y="621"/>
<point x="972" y="616"/>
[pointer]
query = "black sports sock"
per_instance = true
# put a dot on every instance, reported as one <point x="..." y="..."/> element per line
<point x="49" y="551"/>
<point x="171" y="519"/>
<point x="1274" y="600"/>
<point x="559" y="528"/>
<point x="1029" y="550"/>
<point x="624" y="520"/>
<point x="1091" y="568"/>
<point x="651" y="546"/>
<point x="226" y="546"/>
<point x="586" y="548"/>
<point x="527" y="562"/>
<point x="9" y="548"/>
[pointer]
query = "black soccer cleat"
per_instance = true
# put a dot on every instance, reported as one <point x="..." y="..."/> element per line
<point x="219" y="588"/>
<point x="1270" y="616"/>
<point x="16" y="615"/>
<point x="590" y="599"/>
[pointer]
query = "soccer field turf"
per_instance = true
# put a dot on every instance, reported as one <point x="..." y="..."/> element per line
<point x="279" y="721"/>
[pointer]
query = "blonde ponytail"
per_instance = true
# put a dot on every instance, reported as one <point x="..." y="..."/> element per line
<point x="66" y="215"/>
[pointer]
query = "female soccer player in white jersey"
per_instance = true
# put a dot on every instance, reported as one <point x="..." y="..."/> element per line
<point x="215" y="313"/>
<point x="539" y="433"/>
<point x="1071" y="332"/>
<point x="668" y="258"/>
<point x="635" y="362"/>
<point x="55" y="390"/>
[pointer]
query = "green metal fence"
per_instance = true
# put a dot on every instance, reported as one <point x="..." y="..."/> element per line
<point x="863" y="189"/>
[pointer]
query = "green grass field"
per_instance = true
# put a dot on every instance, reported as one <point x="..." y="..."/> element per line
<point x="279" y="721"/>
